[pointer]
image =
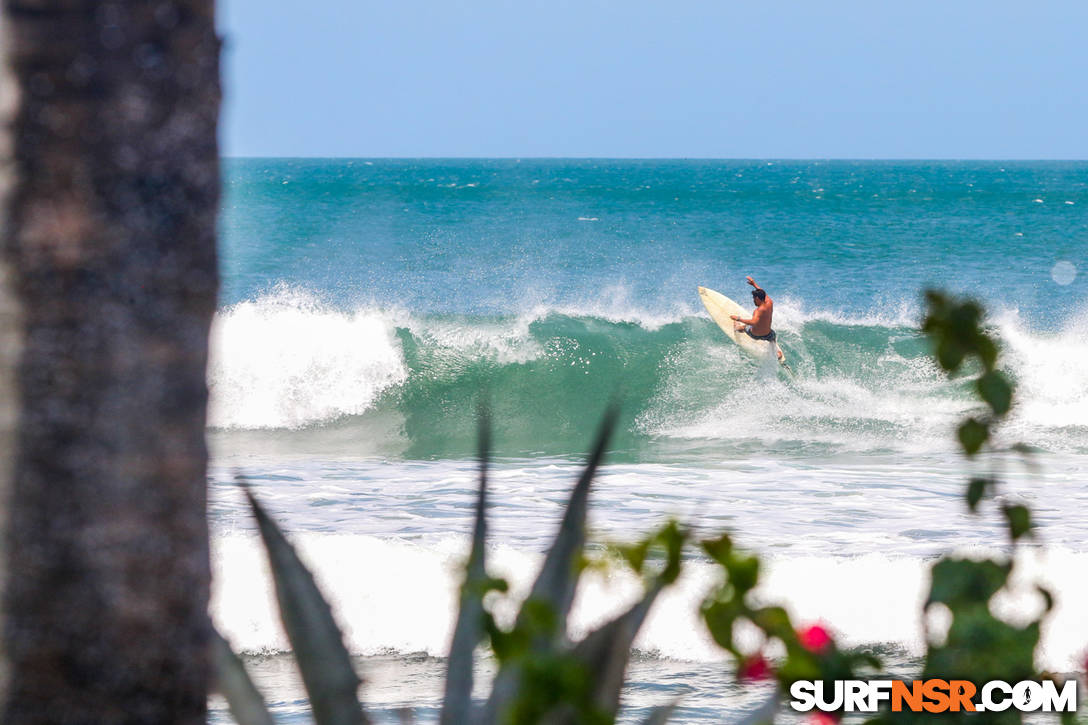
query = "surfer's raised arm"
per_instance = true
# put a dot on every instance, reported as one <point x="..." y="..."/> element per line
<point x="752" y="282"/>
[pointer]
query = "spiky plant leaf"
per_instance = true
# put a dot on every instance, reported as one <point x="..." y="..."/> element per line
<point x="553" y="591"/>
<point x="324" y="662"/>
<point x="606" y="650"/>
<point x="469" y="630"/>
<point x="233" y="682"/>
<point x="558" y="576"/>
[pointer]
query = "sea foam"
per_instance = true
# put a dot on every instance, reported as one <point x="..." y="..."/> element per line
<point x="286" y="360"/>
<point x="396" y="596"/>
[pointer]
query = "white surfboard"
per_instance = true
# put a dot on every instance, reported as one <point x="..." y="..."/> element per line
<point x="720" y="308"/>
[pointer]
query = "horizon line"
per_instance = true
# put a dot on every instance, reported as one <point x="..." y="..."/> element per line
<point x="660" y="158"/>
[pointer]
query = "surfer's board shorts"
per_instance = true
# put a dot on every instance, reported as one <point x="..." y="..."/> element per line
<point x="769" y="337"/>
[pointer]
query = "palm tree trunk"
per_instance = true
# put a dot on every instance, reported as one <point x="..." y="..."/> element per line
<point x="110" y="233"/>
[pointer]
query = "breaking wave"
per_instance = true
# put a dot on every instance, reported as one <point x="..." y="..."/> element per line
<point x="289" y="362"/>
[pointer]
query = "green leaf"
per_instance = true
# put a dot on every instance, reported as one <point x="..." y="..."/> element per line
<point x="995" y="389"/>
<point x="774" y="621"/>
<point x="506" y="645"/>
<point x="718" y="549"/>
<point x="976" y="489"/>
<point x="543" y="615"/>
<point x="955" y="328"/>
<point x="935" y="299"/>
<point x="719" y="617"/>
<point x="800" y="665"/>
<point x="984" y="646"/>
<point x="986" y="349"/>
<point x="972" y="434"/>
<point x="559" y="575"/>
<point x="743" y="573"/>
<point x="605" y="652"/>
<point x="950" y="354"/>
<point x="539" y="618"/>
<point x="495" y="584"/>
<point x="673" y="538"/>
<point x="1019" y="520"/>
<point x="635" y="554"/>
<point x="317" y="642"/>
<point x="962" y="582"/>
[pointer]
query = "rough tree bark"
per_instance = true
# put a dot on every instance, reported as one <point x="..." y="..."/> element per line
<point x="110" y="234"/>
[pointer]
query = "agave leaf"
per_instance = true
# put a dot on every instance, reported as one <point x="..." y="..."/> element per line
<point x="606" y="650"/>
<point x="319" y="649"/>
<point x="233" y="682"/>
<point x="660" y="715"/>
<point x="558" y="577"/>
<point x="553" y="590"/>
<point x="469" y="630"/>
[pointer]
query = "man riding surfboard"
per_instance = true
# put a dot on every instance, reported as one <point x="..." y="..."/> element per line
<point x="759" y="326"/>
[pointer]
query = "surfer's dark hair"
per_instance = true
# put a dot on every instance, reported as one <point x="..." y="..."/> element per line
<point x="759" y="295"/>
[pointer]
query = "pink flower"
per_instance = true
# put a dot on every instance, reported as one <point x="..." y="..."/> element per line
<point x="823" y="718"/>
<point x="815" y="638"/>
<point x="753" y="668"/>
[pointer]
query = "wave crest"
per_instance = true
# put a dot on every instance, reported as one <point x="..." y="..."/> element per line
<point x="288" y="361"/>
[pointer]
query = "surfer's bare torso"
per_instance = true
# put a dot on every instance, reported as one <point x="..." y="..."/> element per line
<point x="759" y="325"/>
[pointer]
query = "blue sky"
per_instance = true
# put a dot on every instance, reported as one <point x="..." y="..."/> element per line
<point x="759" y="79"/>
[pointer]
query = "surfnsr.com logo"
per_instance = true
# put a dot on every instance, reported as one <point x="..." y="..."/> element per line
<point x="933" y="695"/>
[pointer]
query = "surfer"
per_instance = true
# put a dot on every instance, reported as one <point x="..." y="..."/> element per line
<point x="759" y="327"/>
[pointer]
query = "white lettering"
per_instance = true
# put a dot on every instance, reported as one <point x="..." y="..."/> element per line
<point x="1027" y="696"/>
<point x="995" y="705"/>
<point x="822" y="703"/>
<point x="854" y="696"/>
<point x="1064" y="701"/>
<point x="879" y="690"/>
<point x="803" y="693"/>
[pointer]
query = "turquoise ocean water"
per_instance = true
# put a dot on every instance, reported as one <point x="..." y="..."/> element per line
<point x="366" y="304"/>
